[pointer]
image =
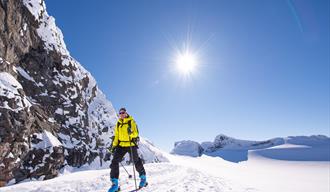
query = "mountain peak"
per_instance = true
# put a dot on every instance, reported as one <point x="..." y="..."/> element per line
<point x="52" y="113"/>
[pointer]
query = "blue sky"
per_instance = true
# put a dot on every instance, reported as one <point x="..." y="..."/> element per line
<point x="263" y="66"/>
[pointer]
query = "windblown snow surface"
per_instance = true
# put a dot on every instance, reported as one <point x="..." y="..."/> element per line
<point x="283" y="168"/>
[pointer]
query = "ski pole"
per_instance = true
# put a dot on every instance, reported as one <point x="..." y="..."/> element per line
<point x="133" y="162"/>
<point x="129" y="175"/>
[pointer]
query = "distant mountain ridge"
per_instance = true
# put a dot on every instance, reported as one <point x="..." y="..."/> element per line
<point x="236" y="150"/>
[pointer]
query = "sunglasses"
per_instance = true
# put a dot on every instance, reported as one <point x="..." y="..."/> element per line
<point x="120" y="113"/>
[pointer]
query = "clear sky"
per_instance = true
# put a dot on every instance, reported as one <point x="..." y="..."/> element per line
<point x="262" y="66"/>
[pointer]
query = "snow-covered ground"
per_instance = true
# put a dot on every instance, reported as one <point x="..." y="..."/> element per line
<point x="260" y="173"/>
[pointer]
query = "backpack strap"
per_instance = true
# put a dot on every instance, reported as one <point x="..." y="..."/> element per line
<point x="130" y="125"/>
<point x="117" y="127"/>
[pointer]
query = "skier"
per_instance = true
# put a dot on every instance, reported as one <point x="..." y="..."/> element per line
<point x="125" y="141"/>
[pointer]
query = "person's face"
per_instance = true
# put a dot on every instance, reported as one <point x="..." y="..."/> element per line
<point x="122" y="114"/>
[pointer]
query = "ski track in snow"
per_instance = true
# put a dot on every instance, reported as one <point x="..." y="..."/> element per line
<point x="162" y="177"/>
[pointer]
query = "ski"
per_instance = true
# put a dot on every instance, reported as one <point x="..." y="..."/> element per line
<point x="134" y="190"/>
<point x="116" y="190"/>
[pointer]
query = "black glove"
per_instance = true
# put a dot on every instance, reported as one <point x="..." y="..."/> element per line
<point x="112" y="149"/>
<point x="136" y="140"/>
<point x="107" y="157"/>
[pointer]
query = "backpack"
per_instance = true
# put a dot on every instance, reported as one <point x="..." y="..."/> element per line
<point x="129" y="127"/>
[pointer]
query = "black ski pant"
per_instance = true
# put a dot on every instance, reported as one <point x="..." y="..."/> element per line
<point x="118" y="157"/>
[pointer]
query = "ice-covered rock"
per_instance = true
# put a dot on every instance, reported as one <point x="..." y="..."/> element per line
<point x="188" y="148"/>
<point x="293" y="148"/>
<point x="224" y="142"/>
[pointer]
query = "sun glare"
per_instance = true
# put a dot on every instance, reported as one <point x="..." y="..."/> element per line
<point x="186" y="63"/>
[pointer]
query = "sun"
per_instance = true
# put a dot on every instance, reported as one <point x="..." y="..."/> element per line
<point x="186" y="63"/>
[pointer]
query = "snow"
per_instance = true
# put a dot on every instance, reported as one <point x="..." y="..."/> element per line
<point x="10" y="155"/>
<point x="59" y="111"/>
<point x="8" y="81"/>
<point x="225" y="142"/>
<point x="205" y="173"/>
<point x="48" y="31"/>
<point x="51" y="119"/>
<point x="17" y="160"/>
<point x="299" y="148"/>
<point x="35" y="7"/>
<point x="314" y="140"/>
<point x="25" y="74"/>
<point x="21" y="33"/>
<point x="11" y="182"/>
<point x="292" y="152"/>
<point x="66" y="140"/>
<point x="53" y="141"/>
<point x="236" y="150"/>
<point x="9" y="87"/>
<point x="51" y="35"/>
<point x="48" y="140"/>
<point x="24" y="26"/>
<point x="190" y="148"/>
<point x="162" y="177"/>
<point x="150" y="153"/>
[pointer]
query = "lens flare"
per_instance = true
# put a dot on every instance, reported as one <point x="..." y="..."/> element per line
<point x="186" y="63"/>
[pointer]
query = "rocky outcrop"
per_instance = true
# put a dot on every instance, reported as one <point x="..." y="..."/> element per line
<point x="221" y="143"/>
<point x="52" y="114"/>
<point x="44" y="91"/>
<point x="224" y="142"/>
<point x="187" y="148"/>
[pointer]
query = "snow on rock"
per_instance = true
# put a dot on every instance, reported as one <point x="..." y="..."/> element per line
<point x="48" y="90"/>
<point x="27" y="76"/>
<point x="297" y="148"/>
<point x="150" y="153"/>
<point x="47" y="140"/>
<point x="188" y="148"/>
<point x="9" y="82"/>
<point x="224" y="142"/>
<point x="48" y="31"/>
<point x="10" y="89"/>
<point x="63" y="95"/>
<point x="314" y="140"/>
<point x="207" y="145"/>
<point x="36" y="7"/>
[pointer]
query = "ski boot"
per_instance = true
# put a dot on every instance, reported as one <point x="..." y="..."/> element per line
<point x="115" y="186"/>
<point x="143" y="181"/>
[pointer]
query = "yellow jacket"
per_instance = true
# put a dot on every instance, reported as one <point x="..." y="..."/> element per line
<point x="122" y="137"/>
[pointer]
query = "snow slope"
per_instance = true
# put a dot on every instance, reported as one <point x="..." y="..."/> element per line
<point x="161" y="176"/>
<point x="269" y="175"/>
<point x="205" y="173"/>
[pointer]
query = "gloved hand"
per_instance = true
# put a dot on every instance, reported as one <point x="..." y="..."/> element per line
<point x="136" y="140"/>
<point x="107" y="157"/>
<point x="112" y="149"/>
